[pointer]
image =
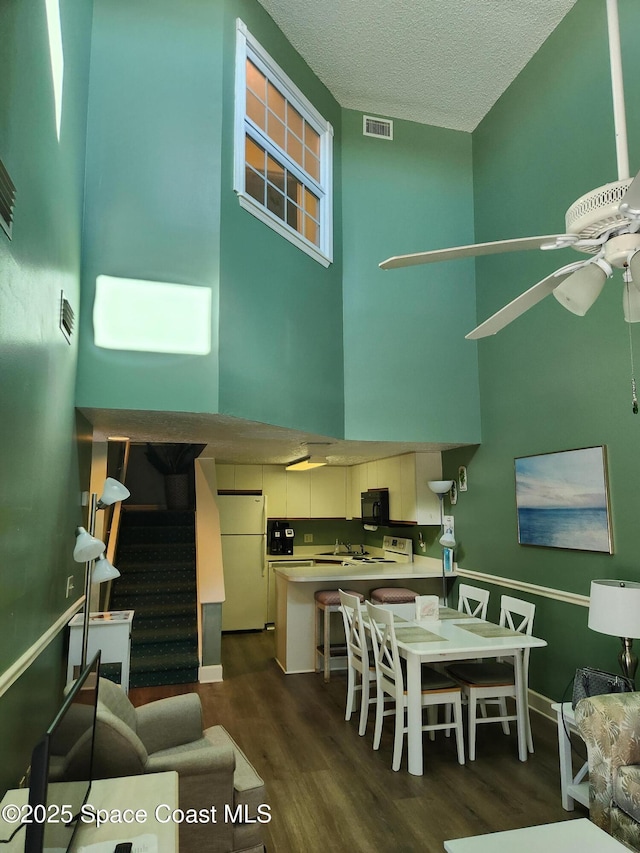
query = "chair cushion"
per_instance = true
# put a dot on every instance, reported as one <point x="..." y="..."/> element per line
<point x="434" y="680"/>
<point x="331" y="597"/>
<point x="483" y="674"/>
<point x="392" y="595"/>
<point x="626" y="790"/>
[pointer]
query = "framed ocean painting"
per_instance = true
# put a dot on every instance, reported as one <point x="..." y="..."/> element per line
<point x="562" y="500"/>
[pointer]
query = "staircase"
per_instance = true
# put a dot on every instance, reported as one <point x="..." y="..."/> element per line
<point x="156" y="559"/>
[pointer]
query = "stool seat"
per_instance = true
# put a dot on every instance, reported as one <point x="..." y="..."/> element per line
<point x="328" y="602"/>
<point x="331" y="597"/>
<point x="392" y="595"/>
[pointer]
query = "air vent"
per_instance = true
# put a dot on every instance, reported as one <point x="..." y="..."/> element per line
<point x="380" y="127"/>
<point x="7" y="200"/>
<point x="66" y="317"/>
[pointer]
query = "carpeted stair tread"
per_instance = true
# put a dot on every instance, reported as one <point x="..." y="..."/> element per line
<point x="150" y="657"/>
<point x="149" y="635"/>
<point x="157" y="679"/>
<point x="158" y="517"/>
<point x="132" y="567"/>
<point x="143" y="535"/>
<point x="155" y="584"/>
<point x="138" y="553"/>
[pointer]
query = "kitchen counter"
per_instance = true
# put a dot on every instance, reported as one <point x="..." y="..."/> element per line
<point x="295" y="603"/>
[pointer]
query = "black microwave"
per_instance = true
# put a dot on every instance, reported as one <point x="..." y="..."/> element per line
<point x="375" y="506"/>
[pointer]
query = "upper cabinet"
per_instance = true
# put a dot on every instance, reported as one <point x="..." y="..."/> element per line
<point x="411" y="501"/>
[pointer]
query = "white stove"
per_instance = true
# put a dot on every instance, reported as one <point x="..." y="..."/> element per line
<point x="396" y="550"/>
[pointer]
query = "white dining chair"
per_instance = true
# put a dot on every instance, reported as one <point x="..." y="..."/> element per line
<point x="472" y="600"/>
<point x="437" y="688"/>
<point x="360" y="672"/>
<point x="493" y="681"/>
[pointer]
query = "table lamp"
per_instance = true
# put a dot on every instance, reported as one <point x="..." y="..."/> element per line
<point x="614" y="609"/>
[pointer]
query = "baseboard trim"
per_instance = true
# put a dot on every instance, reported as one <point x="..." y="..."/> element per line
<point x="210" y="674"/>
<point x="542" y="705"/>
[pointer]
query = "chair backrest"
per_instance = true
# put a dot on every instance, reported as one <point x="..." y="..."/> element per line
<point x="357" y="653"/>
<point x="518" y="615"/>
<point x="473" y="600"/>
<point x="385" y="651"/>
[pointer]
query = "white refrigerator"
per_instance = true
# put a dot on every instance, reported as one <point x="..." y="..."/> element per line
<point x="243" y="529"/>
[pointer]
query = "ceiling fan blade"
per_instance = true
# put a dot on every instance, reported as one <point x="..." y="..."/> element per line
<point x="520" y="304"/>
<point x="517" y="245"/>
<point x="630" y="204"/>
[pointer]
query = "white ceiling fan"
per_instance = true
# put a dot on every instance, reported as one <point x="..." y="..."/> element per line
<point x="604" y="223"/>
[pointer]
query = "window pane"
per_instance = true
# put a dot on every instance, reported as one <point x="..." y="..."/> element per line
<point x="311" y="204"/>
<point x="295" y="120"/>
<point x="256" y="80"/>
<point x="256" y="110"/>
<point x="276" y="130"/>
<point x="294" y="188"/>
<point x="254" y="155"/>
<point x="311" y="164"/>
<point x="311" y="230"/>
<point x="275" y="173"/>
<point x="254" y="184"/>
<point x="276" y="102"/>
<point x="275" y="201"/>
<point x="294" y="148"/>
<point x="294" y="216"/>
<point x="311" y="139"/>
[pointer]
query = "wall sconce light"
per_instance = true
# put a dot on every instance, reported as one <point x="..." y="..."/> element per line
<point x="90" y="550"/>
<point x="307" y="463"/>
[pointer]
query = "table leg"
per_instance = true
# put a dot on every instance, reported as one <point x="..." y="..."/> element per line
<point x="414" y="715"/>
<point x="521" y="707"/>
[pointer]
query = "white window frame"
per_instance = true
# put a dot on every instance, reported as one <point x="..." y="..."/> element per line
<point x="248" y="48"/>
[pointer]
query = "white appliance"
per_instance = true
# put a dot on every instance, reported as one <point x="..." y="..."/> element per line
<point x="243" y="528"/>
<point x="396" y="550"/>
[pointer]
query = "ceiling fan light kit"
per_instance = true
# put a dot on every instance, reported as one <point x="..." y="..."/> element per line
<point x="605" y="222"/>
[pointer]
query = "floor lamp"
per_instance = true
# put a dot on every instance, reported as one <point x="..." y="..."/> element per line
<point x="90" y="551"/>
<point x="440" y="488"/>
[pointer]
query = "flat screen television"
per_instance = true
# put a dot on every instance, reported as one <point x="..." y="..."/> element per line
<point x="61" y="767"/>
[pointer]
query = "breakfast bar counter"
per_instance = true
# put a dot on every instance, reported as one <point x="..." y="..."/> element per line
<point x="295" y="603"/>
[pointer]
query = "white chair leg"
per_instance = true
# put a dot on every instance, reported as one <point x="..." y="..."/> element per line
<point x="398" y="738"/>
<point x="457" y="714"/>
<point x="432" y="718"/>
<point x="351" y="690"/>
<point x="529" y="735"/>
<point x="472" y="711"/>
<point x="503" y="713"/>
<point x="377" y="733"/>
<point x="364" y="702"/>
<point x="448" y="718"/>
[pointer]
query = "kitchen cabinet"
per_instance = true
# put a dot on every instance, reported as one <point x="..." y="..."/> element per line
<point x="298" y="494"/>
<point x="239" y="478"/>
<point x="274" y="486"/>
<point x="328" y="492"/>
<point x="406" y="476"/>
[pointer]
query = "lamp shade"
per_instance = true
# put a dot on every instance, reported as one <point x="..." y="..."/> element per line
<point x="87" y="547"/>
<point x="103" y="571"/>
<point x="579" y="291"/>
<point x="447" y="540"/>
<point x="614" y="608"/>
<point x="112" y="492"/>
<point x="440" y="487"/>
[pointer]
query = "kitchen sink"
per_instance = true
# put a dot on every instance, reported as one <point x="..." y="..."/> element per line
<point x="342" y="554"/>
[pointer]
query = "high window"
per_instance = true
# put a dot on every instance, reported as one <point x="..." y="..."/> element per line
<point x="283" y="152"/>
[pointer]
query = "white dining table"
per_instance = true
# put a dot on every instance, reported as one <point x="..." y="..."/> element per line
<point x="454" y="637"/>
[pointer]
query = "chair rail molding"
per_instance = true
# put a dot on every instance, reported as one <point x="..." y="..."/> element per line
<point x="524" y="586"/>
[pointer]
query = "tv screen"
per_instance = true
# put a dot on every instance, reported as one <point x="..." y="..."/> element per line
<point x="61" y="767"/>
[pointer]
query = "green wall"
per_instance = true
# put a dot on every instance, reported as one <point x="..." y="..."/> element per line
<point x="409" y="373"/>
<point x="152" y="188"/>
<point x="551" y="380"/>
<point x="42" y="471"/>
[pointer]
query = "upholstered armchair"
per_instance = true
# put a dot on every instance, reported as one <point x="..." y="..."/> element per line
<point x="610" y="727"/>
<point x="213" y="770"/>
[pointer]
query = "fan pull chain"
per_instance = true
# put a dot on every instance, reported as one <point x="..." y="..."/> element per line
<point x="634" y="395"/>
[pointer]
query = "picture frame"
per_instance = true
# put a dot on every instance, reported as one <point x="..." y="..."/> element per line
<point x="453" y="493"/>
<point x="562" y="500"/>
<point x="462" y="478"/>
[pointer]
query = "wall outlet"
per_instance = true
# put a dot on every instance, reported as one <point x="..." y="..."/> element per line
<point x="70" y="586"/>
<point x="308" y="537"/>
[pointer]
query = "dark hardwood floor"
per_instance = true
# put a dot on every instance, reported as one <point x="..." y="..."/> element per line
<point x="329" y="791"/>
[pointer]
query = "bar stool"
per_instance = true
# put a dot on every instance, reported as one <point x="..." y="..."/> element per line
<point x="392" y="595"/>
<point x="328" y="602"/>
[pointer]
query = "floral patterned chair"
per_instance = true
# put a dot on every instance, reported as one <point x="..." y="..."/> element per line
<point x="610" y="727"/>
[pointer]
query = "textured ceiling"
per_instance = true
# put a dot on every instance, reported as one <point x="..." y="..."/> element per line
<point x="242" y="442"/>
<point x="438" y="62"/>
